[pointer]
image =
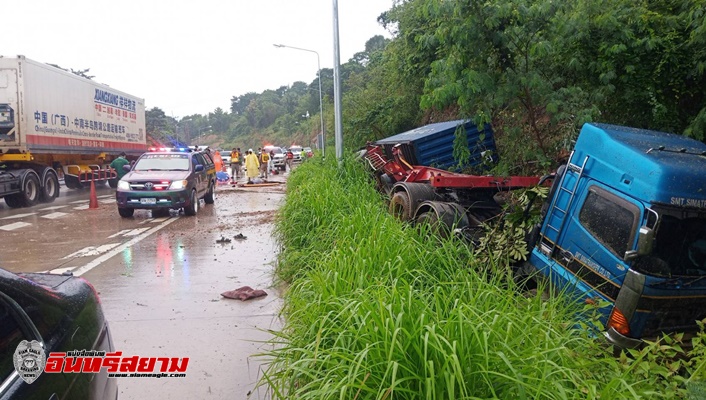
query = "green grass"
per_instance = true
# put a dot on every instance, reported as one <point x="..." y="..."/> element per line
<point x="375" y="309"/>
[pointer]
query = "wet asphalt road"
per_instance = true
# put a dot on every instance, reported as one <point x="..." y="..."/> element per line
<point x="160" y="281"/>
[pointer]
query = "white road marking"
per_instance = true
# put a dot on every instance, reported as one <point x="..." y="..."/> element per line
<point x="157" y="220"/>
<point x="103" y="196"/>
<point x="136" y="232"/>
<point x="128" y="232"/>
<point x="146" y="221"/>
<point x="54" y="215"/>
<point x="59" y="271"/>
<point x="16" y="225"/>
<point x="92" y="251"/>
<point x="83" y="207"/>
<point x="124" y="231"/>
<point x="107" y="256"/>
<point x="107" y="201"/>
<point x="51" y="208"/>
<point x="78" y="201"/>
<point x="19" y="215"/>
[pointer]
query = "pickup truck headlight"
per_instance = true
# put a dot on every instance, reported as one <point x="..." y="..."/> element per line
<point x="123" y="185"/>
<point x="177" y="185"/>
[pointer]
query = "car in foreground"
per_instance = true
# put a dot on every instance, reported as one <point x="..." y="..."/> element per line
<point x="62" y="313"/>
<point x="279" y="158"/>
<point x="164" y="179"/>
<point x="297" y="152"/>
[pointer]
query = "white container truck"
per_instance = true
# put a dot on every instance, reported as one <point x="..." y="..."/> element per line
<point x="55" y="124"/>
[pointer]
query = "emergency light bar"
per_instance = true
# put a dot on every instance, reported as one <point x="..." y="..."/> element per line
<point x="171" y="149"/>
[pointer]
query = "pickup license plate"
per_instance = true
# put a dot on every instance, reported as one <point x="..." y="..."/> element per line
<point x="148" y="201"/>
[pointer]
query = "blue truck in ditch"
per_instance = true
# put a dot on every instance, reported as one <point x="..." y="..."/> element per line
<point x="624" y="224"/>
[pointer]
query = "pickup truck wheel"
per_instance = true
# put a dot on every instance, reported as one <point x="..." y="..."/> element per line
<point x="193" y="206"/>
<point x="50" y="186"/>
<point x="30" y="190"/>
<point x="126" y="212"/>
<point x="210" y="197"/>
<point x="400" y="207"/>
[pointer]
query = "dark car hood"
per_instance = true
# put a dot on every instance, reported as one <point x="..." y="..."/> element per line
<point x="135" y="176"/>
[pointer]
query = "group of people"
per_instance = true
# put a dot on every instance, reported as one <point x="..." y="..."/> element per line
<point x="256" y="165"/>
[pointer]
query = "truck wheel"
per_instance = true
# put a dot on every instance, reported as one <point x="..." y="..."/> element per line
<point x="436" y="227"/>
<point x="13" y="201"/>
<point x="126" y="212"/>
<point x="443" y="218"/>
<point x="30" y="190"/>
<point x="193" y="206"/>
<point x="399" y="206"/>
<point x="210" y="197"/>
<point x="50" y="186"/>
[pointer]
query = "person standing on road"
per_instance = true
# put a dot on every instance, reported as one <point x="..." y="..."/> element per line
<point x="118" y="164"/>
<point x="264" y="163"/>
<point x="252" y="166"/>
<point x="235" y="164"/>
<point x="290" y="158"/>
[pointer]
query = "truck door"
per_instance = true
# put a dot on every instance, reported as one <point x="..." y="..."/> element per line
<point x="9" y="125"/>
<point x="600" y="229"/>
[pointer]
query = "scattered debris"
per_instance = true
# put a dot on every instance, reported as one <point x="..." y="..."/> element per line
<point x="223" y="239"/>
<point x="244" y="293"/>
<point x="239" y="236"/>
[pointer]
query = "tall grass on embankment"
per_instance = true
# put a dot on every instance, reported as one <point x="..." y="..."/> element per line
<point x="378" y="310"/>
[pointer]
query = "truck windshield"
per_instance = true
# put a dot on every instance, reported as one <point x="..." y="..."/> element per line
<point x="163" y="162"/>
<point x="680" y="245"/>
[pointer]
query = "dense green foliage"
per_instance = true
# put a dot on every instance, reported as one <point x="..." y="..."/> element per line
<point x="376" y="310"/>
<point x="535" y="69"/>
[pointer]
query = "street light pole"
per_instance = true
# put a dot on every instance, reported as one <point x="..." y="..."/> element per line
<point x="321" y="103"/>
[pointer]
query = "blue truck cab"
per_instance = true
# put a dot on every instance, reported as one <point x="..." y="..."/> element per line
<point x="625" y="223"/>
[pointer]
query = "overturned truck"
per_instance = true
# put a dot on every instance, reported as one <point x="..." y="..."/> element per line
<point x="624" y="223"/>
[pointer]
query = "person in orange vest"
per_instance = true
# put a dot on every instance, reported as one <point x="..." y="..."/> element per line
<point x="235" y="163"/>
<point x="264" y="162"/>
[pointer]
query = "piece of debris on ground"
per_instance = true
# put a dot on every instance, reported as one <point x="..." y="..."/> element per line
<point x="244" y="293"/>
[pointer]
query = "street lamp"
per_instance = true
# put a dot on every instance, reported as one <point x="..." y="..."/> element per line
<point x="321" y="104"/>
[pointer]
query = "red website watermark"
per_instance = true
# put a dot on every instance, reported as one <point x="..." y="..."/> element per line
<point x="90" y="361"/>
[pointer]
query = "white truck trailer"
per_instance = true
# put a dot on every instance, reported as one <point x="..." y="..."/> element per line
<point x="55" y="124"/>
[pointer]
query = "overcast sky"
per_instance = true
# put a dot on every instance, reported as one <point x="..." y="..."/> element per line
<point x="189" y="57"/>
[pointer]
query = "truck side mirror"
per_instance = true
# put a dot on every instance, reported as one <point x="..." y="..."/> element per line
<point x="645" y="241"/>
<point x="127" y="167"/>
<point x="198" y="168"/>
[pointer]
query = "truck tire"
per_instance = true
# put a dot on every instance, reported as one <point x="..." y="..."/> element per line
<point x="193" y="206"/>
<point x="30" y="190"/>
<point x="400" y="207"/>
<point x="13" y="201"/>
<point x="50" y="186"/>
<point x="210" y="197"/>
<point x="442" y="217"/>
<point x="431" y="219"/>
<point x="126" y="212"/>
